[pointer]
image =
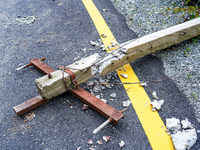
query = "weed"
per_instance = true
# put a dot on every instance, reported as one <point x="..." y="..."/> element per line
<point x="189" y="76"/>
<point x="194" y="40"/>
<point x="194" y="95"/>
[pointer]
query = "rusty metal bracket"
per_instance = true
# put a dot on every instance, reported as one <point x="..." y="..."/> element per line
<point x="106" y="110"/>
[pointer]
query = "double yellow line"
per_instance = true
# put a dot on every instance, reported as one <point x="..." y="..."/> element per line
<point x="151" y="121"/>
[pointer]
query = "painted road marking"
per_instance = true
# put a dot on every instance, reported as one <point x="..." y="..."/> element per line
<point x="151" y="121"/>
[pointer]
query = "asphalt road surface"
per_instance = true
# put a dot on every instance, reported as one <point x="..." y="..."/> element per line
<point x="59" y="33"/>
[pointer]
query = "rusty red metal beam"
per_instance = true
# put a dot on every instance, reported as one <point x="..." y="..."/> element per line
<point x="38" y="100"/>
<point x="98" y="105"/>
<point x="42" y="67"/>
<point x="29" y="105"/>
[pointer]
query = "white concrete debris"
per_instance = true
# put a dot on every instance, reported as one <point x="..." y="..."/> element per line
<point x="126" y="103"/>
<point x="154" y="95"/>
<point x="90" y="142"/>
<point x="79" y="148"/>
<point x="99" y="142"/>
<point x="98" y="96"/>
<point x="143" y="84"/>
<point x="156" y="105"/>
<point x="113" y="95"/>
<point x="173" y="124"/>
<point x="103" y="100"/>
<point x="93" y="43"/>
<point x="114" y="43"/>
<point x="184" y="140"/>
<point x="124" y="75"/>
<point x="105" y="10"/>
<point x="186" y="124"/>
<point x="106" y="138"/>
<point x="26" y="20"/>
<point x="121" y="144"/>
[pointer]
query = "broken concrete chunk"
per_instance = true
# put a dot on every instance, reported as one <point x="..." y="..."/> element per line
<point x="113" y="95"/>
<point x="114" y="43"/>
<point x="93" y="43"/>
<point x="99" y="142"/>
<point x="184" y="140"/>
<point x="124" y="75"/>
<point x="142" y="84"/>
<point x="90" y="142"/>
<point x="105" y="10"/>
<point x="186" y="124"/>
<point x="126" y="103"/>
<point x="106" y="138"/>
<point x="156" y="105"/>
<point x="173" y="124"/>
<point x="121" y="144"/>
<point x="154" y="95"/>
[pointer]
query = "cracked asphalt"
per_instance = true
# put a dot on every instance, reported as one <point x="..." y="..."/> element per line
<point x="60" y="32"/>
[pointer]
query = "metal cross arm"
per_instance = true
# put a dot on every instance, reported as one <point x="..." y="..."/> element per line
<point x="106" y="110"/>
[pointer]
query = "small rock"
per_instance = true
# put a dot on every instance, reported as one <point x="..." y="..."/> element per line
<point x="99" y="142"/>
<point x="143" y="84"/>
<point x="154" y="95"/>
<point x="98" y="96"/>
<point x="92" y="148"/>
<point x="113" y="95"/>
<point x="121" y="144"/>
<point x="185" y="139"/>
<point x="106" y="138"/>
<point x="103" y="35"/>
<point x="126" y="103"/>
<point x="20" y="65"/>
<point x="124" y="75"/>
<point x="186" y="124"/>
<point x="90" y="142"/>
<point x="105" y="10"/>
<point x="85" y="106"/>
<point x="93" y="43"/>
<point x="173" y="124"/>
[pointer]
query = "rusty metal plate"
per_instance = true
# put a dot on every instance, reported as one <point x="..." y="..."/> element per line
<point x="98" y="105"/>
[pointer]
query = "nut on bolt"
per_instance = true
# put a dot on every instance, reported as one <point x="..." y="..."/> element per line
<point x="49" y="76"/>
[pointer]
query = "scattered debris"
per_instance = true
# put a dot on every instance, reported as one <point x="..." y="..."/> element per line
<point x="79" y="148"/>
<point x="143" y="84"/>
<point x="99" y="142"/>
<point x="106" y="138"/>
<point x="105" y="10"/>
<point x="29" y="116"/>
<point x="85" y="106"/>
<point x="154" y="95"/>
<point x="93" y="43"/>
<point x="103" y="47"/>
<point x="173" y="124"/>
<point x="90" y="142"/>
<point x="114" y="43"/>
<point x="92" y="148"/>
<point x="184" y="140"/>
<point x="156" y="105"/>
<point x="121" y="144"/>
<point x="26" y="20"/>
<point x="103" y="35"/>
<point x="124" y="75"/>
<point x="126" y="103"/>
<point x="113" y="95"/>
<point x="186" y="124"/>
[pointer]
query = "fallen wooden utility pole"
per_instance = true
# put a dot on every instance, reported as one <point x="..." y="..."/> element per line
<point x="126" y="53"/>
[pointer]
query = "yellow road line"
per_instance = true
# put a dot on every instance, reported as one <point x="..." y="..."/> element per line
<point x="151" y="121"/>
